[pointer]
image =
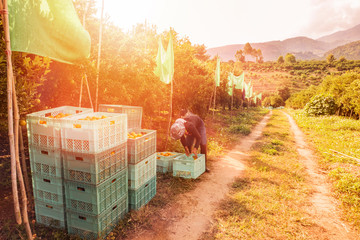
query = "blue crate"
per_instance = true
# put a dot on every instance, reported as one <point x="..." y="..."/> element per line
<point x="94" y="168"/>
<point x="141" y="196"/>
<point x="141" y="147"/>
<point x="44" y="131"/>
<point x="134" y="113"/>
<point x="46" y="161"/>
<point x="89" y="226"/>
<point x="188" y="167"/>
<point x="52" y="215"/>
<point x="95" y="199"/>
<point x="142" y="172"/>
<point x="164" y="164"/>
<point x="48" y="189"/>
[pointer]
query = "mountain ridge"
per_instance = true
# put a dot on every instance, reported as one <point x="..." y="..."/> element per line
<point x="304" y="48"/>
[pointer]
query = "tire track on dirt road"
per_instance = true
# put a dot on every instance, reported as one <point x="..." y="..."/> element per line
<point x="191" y="215"/>
<point x="323" y="207"/>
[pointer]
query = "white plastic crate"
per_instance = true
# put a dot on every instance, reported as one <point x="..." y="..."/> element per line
<point x="46" y="161"/>
<point x="134" y="113"/>
<point x="142" y="172"/>
<point x="52" y="215"/>
<point x="141" y="147"/>
<point x="94" y="168"/>
<point x="188" y="167"/>
<point x="93" y="136"/>
<point x="164" y="164"/>
<point x="44" y="131"/>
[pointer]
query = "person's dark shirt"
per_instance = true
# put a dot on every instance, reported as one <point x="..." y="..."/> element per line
<point x="192" y="126"/>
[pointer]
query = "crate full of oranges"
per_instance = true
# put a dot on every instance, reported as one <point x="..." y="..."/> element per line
<point x="141" y="144"/>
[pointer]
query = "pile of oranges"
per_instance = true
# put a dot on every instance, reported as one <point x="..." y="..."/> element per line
<point x="166" y="154"/>
<point x="93" y="118"/>
<point x="60" y="115"/>
<point x="134" y="135"/>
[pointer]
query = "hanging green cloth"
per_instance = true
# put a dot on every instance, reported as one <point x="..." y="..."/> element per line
<point x="239" y="81"/>
<point x="165" y="62"/>
<point x="49" y="28"/>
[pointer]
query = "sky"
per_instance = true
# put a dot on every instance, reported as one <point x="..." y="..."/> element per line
<point x="217" y="23"/>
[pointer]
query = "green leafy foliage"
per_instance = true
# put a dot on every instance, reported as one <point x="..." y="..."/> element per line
<point x="320" y="105"/>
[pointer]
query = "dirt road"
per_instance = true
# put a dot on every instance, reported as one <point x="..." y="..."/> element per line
<point x="323" y="207"/>
<point x="191" y="214"/>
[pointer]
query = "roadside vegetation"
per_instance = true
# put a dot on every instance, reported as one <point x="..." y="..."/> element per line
<point x="269" y="200"/>
<point x="336" y="140"/>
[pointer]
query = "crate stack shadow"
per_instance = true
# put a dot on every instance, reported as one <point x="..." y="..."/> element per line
<point x="141" y="147"/>
<point x="79" y="168"/>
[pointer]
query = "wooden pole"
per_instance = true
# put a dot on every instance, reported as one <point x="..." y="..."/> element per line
<point x="214" y="100"/>
<point x="99" y="55"/>
<point x="81" y="88"/>
<point x="23" y="163"/>
<point x="88" y="89"/>
<point x="18" y="167"/>
<point x="170" y="114"/>
<point x="10" y="77"/>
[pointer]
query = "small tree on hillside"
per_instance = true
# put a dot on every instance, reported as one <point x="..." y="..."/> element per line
<point x="239" y="55"/>
<point x="330" y="58"/>
<point x="290" y="58"/>
<point x="280" y="59"/>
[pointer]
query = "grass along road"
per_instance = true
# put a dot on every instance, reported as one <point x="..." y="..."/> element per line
<point x="273" y="198"/>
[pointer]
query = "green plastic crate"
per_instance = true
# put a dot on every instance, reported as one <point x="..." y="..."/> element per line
<point x="141" y="196"/>
<point x="94" y="168"/>
<point x="164" y="164"/>
<point x="52" y="215"/>
<point x="95" y="199"/>
<point x="142" y="172"/>
<point x="141" y="147"/>
<point x="44" y="131"/>
<point x="97" y="226"/>
<point x="134" y="113"/>
<point x="48" y="189"/>
<point x="188" y="167"/>
<point x="46" y="161"/>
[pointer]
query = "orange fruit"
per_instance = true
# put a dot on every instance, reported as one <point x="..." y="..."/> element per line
<point x="22" y="123"/>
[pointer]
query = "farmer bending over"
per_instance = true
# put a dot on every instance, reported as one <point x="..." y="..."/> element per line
<point x="190" y="129"/>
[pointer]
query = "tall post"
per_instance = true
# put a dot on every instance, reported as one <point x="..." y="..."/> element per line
<point x="10" y="76"/>
<point x="170" y="113"/>
<point x="18" y="167"/>
<point x="99" y="55"/>
<point x="214" y="99"/>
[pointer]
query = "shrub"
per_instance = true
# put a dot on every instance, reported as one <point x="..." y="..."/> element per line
<point x="320" y="105"/>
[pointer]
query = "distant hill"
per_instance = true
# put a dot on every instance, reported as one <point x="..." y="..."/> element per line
<point x="350" y="51"/>
<point x="303" y="48"/>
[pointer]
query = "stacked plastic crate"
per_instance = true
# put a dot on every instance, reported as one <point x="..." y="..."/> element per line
<point x="44" y="136"/>
<point x="95" y="172"/>
<point x="141" y="146"/>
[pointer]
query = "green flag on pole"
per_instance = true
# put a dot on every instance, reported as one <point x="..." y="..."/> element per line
<point x="165" y="62"/>
<point x="49" y="28"/>
<point x="217" y="73"/>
